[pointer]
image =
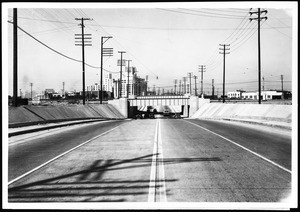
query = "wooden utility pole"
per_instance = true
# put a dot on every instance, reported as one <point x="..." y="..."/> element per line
<point x="213" y="88"/>
<point x="104" y="52"/>
<point x="83" y="38"/>
<point x="224" y="53"/>
<point x="259" y="18"/>
<point x="63" y="94"/>
<point x="15" y="58"/>
<point x="282" y="95"/>
<point x="201" y="69"/>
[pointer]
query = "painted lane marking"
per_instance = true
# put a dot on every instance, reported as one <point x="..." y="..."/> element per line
<point x="258" y="155"/>
<point x="151" y="195"/>
<point x="28" y="137"/>
<point x="74" y="148"/>
<point x="162" y="192"/>
<point x="157" y="187"/>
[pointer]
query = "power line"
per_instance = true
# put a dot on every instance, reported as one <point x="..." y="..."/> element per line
<point x="144" y="28"/>
<point x="226" y="10"/>
<point x="58" y="51"/>
<point x="118" y="43"/>
<point x="219" y="14"/>
<point x="280" y="31"/>
<point x="196" y="14"/>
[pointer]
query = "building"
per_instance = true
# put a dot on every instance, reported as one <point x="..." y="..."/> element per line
<point x="132" y="85"/>
<point x="235" y="94"/>
<point x="265" y="95"/>
<point x="48" y="93"/>
<point x="108" y="82"/>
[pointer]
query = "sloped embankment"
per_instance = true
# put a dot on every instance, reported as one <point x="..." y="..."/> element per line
<point x="270" y="112"/>
<point x="28" y="115"/>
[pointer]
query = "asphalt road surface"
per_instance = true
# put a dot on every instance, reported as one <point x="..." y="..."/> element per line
<point x="151" y="160"/>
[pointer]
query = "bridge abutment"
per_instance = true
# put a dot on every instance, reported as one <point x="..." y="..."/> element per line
<point x="121" y="104"/>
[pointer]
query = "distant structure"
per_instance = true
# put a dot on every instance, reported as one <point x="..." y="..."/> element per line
<point x="137" y="86"/>
<point x="253" y="95"/>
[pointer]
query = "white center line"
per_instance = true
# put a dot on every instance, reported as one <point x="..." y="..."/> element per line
<point x="157" y="187"/>
<point x="262" y="157"/>
<point x="162" y="192"/>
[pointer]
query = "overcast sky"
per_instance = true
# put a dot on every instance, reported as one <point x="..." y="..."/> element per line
<point x="164" y="41"/>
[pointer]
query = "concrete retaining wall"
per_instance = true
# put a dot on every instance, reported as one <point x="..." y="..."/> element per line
<point x="245" y="111"/>
<point x="39" y="114"/>
<point x="20" y="114"/>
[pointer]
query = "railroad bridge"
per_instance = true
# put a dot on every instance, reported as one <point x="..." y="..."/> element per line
<point x="159" y="100"/>
<point x="129" y="106"/>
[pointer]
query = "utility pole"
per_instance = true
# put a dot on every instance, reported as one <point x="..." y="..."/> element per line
<point x="83" y="38"/>
<point x="128" y="70"/>
<point x="224" y="53"/>
<point x="213" y="88"/>
<point x="201" y="69"/>
<point x="108" y="52"/>
<point x="31" y="84"/>
<point x="121" y="64"/>
<point x="259" y="18"/>
<point x="195" y="77"/>
<point x="15" y="58"/>
<point x="281" y="77"/>
<point x="63" y="94"/>
<point x="190" y="76"/>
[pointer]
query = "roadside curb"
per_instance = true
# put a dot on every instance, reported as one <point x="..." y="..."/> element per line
<point x="55" y="126"/>
<point x="259" y="123"/>
<point x="270" y="124"/>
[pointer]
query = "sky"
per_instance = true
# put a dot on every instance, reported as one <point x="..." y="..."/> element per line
<point x="164" y="41"/>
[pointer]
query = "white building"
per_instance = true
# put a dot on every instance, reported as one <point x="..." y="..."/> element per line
<point x="235" y="94"/>
<point x="107" y="84"/>
<point x="266" y="95"/>
<point x="135" y="85"/>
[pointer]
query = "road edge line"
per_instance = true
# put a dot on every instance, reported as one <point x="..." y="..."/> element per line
<point x="64" y="153"/>
<point x="258" y="155"/>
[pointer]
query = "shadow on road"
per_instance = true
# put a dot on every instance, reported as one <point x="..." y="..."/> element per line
<point x="90" y="185"/>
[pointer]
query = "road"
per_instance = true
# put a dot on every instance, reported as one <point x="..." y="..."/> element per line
<point x="152" y="160"/>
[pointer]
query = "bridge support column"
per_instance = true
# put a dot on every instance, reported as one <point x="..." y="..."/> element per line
<point x="194" y="105"/>
<point x="185" y="111"/>
<point x="121" y="104"/>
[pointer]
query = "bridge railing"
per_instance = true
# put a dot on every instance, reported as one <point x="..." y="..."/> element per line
<point x="162" y="97"/>
<point x="159" y="100"/>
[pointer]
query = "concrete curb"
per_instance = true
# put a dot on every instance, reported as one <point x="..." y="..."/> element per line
<point x="260" y="123"/>
<point x="250" y="122"/>
<point x="55" y="126"/>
